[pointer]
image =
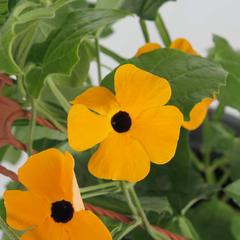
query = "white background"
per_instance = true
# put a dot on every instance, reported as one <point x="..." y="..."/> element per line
<point x="196" y="20"/>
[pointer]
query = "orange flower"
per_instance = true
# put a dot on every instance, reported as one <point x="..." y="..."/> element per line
<point x="52" y="207"/>
<point x="133" y="127"/>
<point x="199" y="111"/>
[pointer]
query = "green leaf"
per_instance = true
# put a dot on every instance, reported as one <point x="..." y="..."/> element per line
<point x="182" y="226"/>
<point x="192" y="78"/>
<point x="216" y="137"/>
<point x="177" y="180"/>
<point x="109" y="4"/>
<point x="3" y="11"/>
<point x="159" y="205"/>
<point x="146" y="9"/>
<point x="12" y="155"/>
<point x="62" y="53"/>
<point x="2" y="209"/>
<point x="233" y="156"/>
<point x="236" y="227"/>
<point x="224" y="54"/>
<point x="233" y="191"/>
<point x="7" y="37"/>
<point x="80" y="72"/>
<point x="213" y="220"/>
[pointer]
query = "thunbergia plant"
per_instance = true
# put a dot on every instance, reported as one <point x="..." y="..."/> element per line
<point x="138" y="156"/>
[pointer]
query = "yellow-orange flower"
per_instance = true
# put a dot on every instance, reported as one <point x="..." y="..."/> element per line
<point x="199" y="111"/>
<point x="51" y="208"/>
<point x="133" y="127"/>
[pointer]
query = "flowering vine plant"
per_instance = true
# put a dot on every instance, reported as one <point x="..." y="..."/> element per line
<point x="140" y="155"/>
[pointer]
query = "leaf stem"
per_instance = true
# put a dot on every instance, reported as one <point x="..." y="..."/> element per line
<point x="97" y="49"/>
<point x="224" y="178"/>
<point x="138" y="212"/>
<point x="219" y="163"/>
<point x="6" y="229"/>
<point x="128" y="229"/>
<point x="32" y="126"/>
<point x="125" y="189"/>
<point x="112" y="54"/>
<point x="144" y="30"/>
<point x="59" y="96"/>
<point x="21" y="88"/>
<point x="100" y="189"/>
<point x="208" y="171"/>
<point x="163" y="32"/>
<point x="152" y="232"/>
<point x="46" y="114"/>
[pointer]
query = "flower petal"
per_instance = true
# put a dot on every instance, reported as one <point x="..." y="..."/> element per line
<point x="198" y="114"/>
<point x="86" y="128"/>
<point x="148" y="47"/>
<point x="138" y="90"/>
<point x="49" y="174"/>
<point x="183" y="45"/>
<point x="98" y="99"/>
<point x="25" y="209"/>
<point x="49" y="230"/>
<point x="73" y="191"/>
<point x="158" y="130"/>
<point x="87" y="226"/>
<point x="120" y="157"/>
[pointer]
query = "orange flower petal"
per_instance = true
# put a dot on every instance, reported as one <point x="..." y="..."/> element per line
<point x="25" y="209"/>
<point x="158" y="131"/>
<point x="198" y="114"/>
<point x="87" y="226"/>
<point x="138" y="90"/>
<point x="183" y="45"/>
<point x="49" y="230"/>
<point x="98" y="99"/>
<point x="86" y="128"/>
<point x="120" y="157"/>
<point x="73" y="190"/>
<point x="49" y="174"/>
<point x="148" y="47"/>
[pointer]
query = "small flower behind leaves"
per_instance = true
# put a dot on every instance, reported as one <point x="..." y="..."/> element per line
<point x="52" y="207"/>
<point x="134" y="127"/>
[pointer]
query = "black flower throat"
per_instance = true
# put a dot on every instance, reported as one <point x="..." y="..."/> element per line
<point x="62" y="211"/>
<point x="121" y="122"/>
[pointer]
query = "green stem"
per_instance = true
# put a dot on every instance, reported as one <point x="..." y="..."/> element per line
<point x="128" y="229"/>
<point x="152" y="232"/>
<point x="190" y="204"/>
<point x="97" y="49"/>
<point x="125" y="188"/>
<point x="10" y="233"/>
<point x="59" y="96"/>
<point x="101" y="189"/>
<point x="144" y="30"/>
<point x="46" y="114"/>
<point x="219" y="112"/>
<point x="21" y="88"/>
<point x="197" y="163"/>
<point x="224" y="178"/>
<point x="163" y="32"/>
<point x="208" y="171"/>
<point x="32" y="127"/>
<point x="106" y="67"/>
<point x="112" y="54"/>
<point x="219" y="163"/>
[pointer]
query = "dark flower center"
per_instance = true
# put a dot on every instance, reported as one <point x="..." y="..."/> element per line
<point x="62" y="211"/>
<point x="121" y="122"/>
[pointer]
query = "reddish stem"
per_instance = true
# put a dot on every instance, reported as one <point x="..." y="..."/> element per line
<point x="8" y="173"/>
